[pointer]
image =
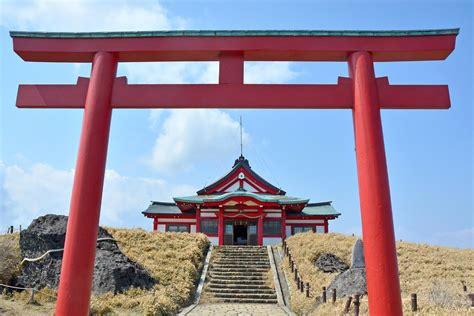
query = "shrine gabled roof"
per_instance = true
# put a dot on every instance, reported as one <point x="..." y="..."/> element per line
<point x="322" y="208"/>
<point x="281" y="199"/>
<point x="163" y="208"/>
<point x="453" y="31"/>
<point x="241" y="162"/>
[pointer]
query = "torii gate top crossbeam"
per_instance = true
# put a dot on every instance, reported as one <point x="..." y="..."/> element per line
<point x="232" y="49"/>
<point x="255" y="45"/>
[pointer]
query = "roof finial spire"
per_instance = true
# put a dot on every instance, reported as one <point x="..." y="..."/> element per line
<point x="241" y="143"/>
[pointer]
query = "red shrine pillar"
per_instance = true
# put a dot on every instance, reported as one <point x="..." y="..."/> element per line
<point x="198" y="219"/>
<point x="283" y="224"/>
<point x="220" y="228"/>
<point x="260" y="229"/>
<point x="377" y="224"/>
<point x="155" y="224"/>
<point x="81" y="235"/>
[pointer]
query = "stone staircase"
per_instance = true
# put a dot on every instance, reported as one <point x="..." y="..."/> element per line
<point x="239" y="274"/>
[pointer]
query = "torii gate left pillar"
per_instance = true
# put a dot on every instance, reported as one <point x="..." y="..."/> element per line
<point x="84" y="213"/>
<point x="364" y="94"/>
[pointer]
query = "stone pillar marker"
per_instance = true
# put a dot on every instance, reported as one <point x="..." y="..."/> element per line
<point x="358" y="255"/>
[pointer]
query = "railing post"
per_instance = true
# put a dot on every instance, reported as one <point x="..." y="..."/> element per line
<point x="334" y="295"/>
<point x="348" y="305"/>
<point x="307" y="289"/>
<point x="414" y="303"/>
<point x="324" y="295"/>
<point x="356" y="304"/>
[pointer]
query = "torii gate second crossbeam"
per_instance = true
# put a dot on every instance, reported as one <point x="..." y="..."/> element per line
<point x="364" y="94"/>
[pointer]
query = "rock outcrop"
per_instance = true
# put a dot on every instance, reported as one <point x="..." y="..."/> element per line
<point x="330" y="263"/>
<point x="352" y="281"/>
<point x="113" y="271"/>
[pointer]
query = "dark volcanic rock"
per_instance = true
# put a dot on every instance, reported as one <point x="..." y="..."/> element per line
<point x="349" y="282"/>
<point x="113" y="271"/>
<point x="330" y="263"/>
<point x="352" y="281"/>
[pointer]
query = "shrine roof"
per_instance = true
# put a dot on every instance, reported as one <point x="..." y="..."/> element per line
<point x="315" y="209"/>
<point x="162" y="208"/>
<point x="281" y="199"/>
<point x="207" y="33"/>
<point x="312" y="209"/>
<point x="240" y="162"/>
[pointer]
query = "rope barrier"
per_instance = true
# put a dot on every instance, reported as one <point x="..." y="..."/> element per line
<point x="58" y="250"/>
<point x="27" y="288"/>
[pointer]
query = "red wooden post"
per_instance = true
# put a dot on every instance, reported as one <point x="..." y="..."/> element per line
<point x="377" y="224"/>
<point x="81" y="236"/>
<point x="231" y="67"/>
<point x="220" y="228"/>
<point x="260" y="229"/>
<point x="155" y="224"/>
<point x="283" y="225"/>
<point x="198" y="219"/>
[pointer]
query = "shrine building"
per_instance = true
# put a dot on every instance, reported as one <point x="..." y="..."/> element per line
<point x="241" y="208"/>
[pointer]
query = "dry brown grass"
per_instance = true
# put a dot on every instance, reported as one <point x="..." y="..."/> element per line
<point x="175" y="259"/>
<point x="11" y="258"/>
<point x="434" y="273"/>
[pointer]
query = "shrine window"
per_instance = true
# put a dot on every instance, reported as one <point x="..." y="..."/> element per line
<point x="272" y="227"/>
<point x="303" y="229"/>
<point x="209" y="226"/>
<point x="178" y="228"/>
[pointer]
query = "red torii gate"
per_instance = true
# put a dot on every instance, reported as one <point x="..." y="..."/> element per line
<point x="364" y="94"/>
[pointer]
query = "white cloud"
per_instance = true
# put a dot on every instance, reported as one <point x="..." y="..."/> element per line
<point x="269" y="72"/>
<point x="87" y="16"/>
<point x="195" y="135"/>
<point x="184" y="136"/>
<point x="30" y="192"/>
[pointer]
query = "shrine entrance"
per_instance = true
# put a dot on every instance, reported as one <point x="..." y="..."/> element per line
<point x="240" y="232"/>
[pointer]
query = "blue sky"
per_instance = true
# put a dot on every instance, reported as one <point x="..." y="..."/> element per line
<point x="155" y="155"/>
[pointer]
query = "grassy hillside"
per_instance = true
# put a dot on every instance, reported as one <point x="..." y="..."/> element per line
<point x="173" y="258"/>
<point x="434" y="273"/>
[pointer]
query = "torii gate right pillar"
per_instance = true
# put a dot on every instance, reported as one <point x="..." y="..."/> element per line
<point x="377" y="225"/>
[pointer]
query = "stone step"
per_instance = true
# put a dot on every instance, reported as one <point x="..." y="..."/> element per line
<point x="237" y="277"/>
<point x="220" y="281"/>
<point x="241" y="291"/>
<point x="262" y="251"/>
<point x="241" y="254"/>
<point x="236" y="266"/>
<point x="225" y="269"/>
<point x="239" y="260"/>
<point x="241" y="250"/>
<point x="248" y="301"/>
<point x="240" y="272"/>
<point x="245" y="295"/>
<point x="237" y="286"/>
